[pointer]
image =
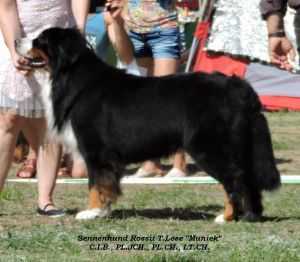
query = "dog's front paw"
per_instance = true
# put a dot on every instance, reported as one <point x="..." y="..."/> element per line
<point x="220" y="219"/>
<point x="93" y="213"/>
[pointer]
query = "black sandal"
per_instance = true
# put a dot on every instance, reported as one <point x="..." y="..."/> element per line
<point x="50" y="213"/>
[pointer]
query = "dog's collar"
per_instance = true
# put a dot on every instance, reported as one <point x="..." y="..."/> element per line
<point x="36" y="62"/>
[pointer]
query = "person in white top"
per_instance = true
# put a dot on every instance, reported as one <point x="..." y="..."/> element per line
<point x="20" y="103"/>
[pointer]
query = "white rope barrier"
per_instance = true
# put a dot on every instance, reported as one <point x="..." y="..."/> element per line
<point x="129" y="180"/>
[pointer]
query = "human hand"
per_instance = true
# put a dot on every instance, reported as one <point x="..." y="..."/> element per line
<point x="280" y="51"/>
<point x="113" y="11"/>
<point x="21" y="63"/>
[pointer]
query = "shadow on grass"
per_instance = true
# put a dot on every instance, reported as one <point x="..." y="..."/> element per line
<point x="187" y="214"/>
<point x="167" y="213"/>
<point x="278" y="219"/>
<point x="72" y="211"/>
<point x="283" y="161"/>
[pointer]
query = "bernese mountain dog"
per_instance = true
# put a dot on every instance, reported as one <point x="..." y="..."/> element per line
<point x="112" y="119"/>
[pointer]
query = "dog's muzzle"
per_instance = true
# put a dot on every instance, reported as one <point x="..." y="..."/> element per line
<point x="24" y="48"/>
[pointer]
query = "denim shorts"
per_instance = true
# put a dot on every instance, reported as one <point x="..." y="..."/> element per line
<point x="159" y="43"/>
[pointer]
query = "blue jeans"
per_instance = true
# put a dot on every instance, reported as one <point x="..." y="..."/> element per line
<point x="159" y="43"/>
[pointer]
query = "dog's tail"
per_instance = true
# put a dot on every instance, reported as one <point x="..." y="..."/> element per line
<point x="263" y="166"/>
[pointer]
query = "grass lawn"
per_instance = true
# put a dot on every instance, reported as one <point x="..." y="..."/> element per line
<point x="173" y="218"/>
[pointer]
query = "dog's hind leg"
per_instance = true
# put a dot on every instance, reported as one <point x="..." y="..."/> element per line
<point x="223" y="168"/>
<point x="252" y="204"/>
<point x="230" y="209"/>
<point x="228" y="214"/>
<point x="234" y="187"/>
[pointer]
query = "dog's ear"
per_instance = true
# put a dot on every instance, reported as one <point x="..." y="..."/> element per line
<point x="71" y="46"/>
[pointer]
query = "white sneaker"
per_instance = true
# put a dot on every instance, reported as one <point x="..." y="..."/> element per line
<point x="175" y="172"/>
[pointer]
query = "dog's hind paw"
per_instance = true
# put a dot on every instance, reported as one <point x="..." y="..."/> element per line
<point x="93" y="213"/>
<point x="220" y="219"/>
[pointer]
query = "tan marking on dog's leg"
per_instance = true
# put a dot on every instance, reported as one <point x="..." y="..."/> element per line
<point x="100" y="196"/>
<point x="228" y="214"/>
<point x="94" y="198"/>
<point x="100" y="199"/>
<point x="229" y="209"/>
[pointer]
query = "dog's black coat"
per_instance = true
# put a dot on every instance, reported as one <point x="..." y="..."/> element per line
<point x="120" y="119"/>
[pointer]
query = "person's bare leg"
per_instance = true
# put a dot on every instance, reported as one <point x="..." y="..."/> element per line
<point x="165" y="66"/>
<point x="146" y="62"/>
<point x="9" y="129"/>
<point x="179" y="160"/>
<point x="47" y="165"/>
<point x="32" y="153"/>
<point x="79" y="168"/>
<point x="32" y="139"/>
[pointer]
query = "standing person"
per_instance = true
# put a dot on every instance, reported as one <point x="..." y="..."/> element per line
<point x="20" y="103"/>
<point x="103" y="25"/>
<point x="154" y="32"/>
<point x="118" y="36"/>
<point x="280" y="47"/>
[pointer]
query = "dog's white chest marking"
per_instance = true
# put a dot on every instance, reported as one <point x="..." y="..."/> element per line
<point x="46" y="86"/>
<point x="66" y="136"/>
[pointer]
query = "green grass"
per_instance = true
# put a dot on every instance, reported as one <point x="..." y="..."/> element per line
<point x="285" y="127"/>
<point x="174" y="211"/>
<point x="179" y="210"/>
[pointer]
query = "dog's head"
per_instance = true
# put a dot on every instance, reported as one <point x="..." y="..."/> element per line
<point x="24" y="48"/>
<point x="59" y="48"/>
